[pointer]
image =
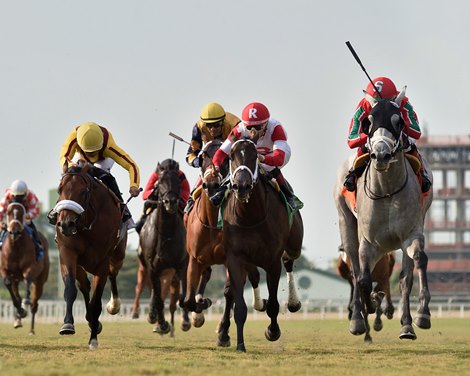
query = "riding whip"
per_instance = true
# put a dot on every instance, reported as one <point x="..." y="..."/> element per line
<point x="362" y="66"/>
<point x="179" y="138"/>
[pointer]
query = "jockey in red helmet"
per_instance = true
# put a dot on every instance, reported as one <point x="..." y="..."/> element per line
<point x="381" y="88"/>
<point x="271" y="141"/>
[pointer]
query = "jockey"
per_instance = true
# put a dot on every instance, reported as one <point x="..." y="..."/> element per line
<point x="271" y="141"/>
<point x="96" y="145"/>
<point x="152" y="184"/>
<point x="358" y="139"/>
<point x="19" y="192"/>
<point x="213" y="124"/>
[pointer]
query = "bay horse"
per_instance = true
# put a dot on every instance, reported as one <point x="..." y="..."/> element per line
<point x="258" y="230"/>
<point x="381" y="277"/>
<point x="390" y="215"/>
<point x="91" y="239"/>
<point x="204" y="243"/>
<point x="18" y="263"/>
<point x="162" y="240"/>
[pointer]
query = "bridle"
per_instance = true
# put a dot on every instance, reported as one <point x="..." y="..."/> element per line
<point x="243" y="167"/>
<point x="16" y="231"/>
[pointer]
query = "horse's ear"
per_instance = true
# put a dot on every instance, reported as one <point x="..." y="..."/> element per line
<point x="400" y="96"/>
<point x="372" y="101"/>
<point x="158" y="169"/>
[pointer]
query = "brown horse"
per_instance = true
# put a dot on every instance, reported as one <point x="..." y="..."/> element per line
<point x="91" y="238"/>
<point x="170" y="286"/>
<point x="381" y="276"/>
<point x="162" y="240"/>
<point x="18" y="263"/>
<point x="258" y="230"/>
<point x="204" y="242"/>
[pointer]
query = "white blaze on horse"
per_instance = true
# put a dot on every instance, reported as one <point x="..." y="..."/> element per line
<point x="389" y="214"/>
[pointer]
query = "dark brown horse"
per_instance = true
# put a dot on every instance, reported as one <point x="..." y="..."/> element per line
<point x="258" y="230"/>
<point x="381" y="277"/>
<point x="18" y="263"/>
<point x="170" y="286"/>
<point x="162" y="240"/>
<point x="91" y="238"/>
<point x="204" y="242"/>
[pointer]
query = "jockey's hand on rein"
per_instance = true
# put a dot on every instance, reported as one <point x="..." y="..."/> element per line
<point x="261" y="158"/>
<point x="134" y="191"/>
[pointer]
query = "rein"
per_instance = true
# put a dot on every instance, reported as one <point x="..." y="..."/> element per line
<point x="374" y="196"/>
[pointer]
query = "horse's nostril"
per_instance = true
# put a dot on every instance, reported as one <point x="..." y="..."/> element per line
<point x="387" y="157"/>
<point x="373" y="156"/>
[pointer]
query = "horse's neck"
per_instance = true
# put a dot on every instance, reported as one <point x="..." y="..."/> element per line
<point x="256" y="207"/>
<point x="206" y="211"/>
<point x="390" y="181"/>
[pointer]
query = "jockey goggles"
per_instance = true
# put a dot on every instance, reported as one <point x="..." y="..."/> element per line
<point x="254" y="127"/>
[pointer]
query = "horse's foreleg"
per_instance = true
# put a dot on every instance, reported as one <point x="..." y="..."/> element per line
<point x="420" y="259"/>
<point x="156" y="314"/>
<point x="240" y="309"/>
<point x="36" y="293"/>
<point x="293" y="301"/>
<point x="139" y="288"/>
<point x="194" y="277"/>
<point x="114" y="304"/>
<point x="223" y="339"/>
<point x="406" y="284"/>
<point x="273" y="332"/>
<point x="99" y="281"/>
<point x="70" y="294"/>
<point x="254" y="277"/>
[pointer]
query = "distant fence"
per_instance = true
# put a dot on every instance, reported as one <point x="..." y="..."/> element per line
<point x="53" y="311"/>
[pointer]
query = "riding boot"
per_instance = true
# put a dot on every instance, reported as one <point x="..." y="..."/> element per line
<point x="351" y="178"/>
<point x="284" y="186"/>
<point x="425" y="181"/>
<point x="289" y="194"/>
<point x="189" y="204"/>
<point x="37" y="242"/>
<point x="140" y="222"/>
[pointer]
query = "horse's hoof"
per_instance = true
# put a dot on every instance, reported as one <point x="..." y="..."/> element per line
<point x="272" y="335"/>
<point x="407" y="332"/>
<point x="93" y="344"/>
<point x="163" y="328"/>
<point x="113" y="306"/>
<point x="241" y="347"/>
<point x="67" y="329"/>
<point x="378" y="325"/>
<point x="294" y="307"/>
<point x="32" y="333"/>
<point x="17" y="324"/>
<point x="135" y="315"/>
<point x="422" y="321"/>
<point x="367" y="338"/>
<point x="185" y="326"/>
<point x="260" y="305"/>
<point x="223" y="342"/>
<point x="357" y="327"/>
<point x="197" y="319"/>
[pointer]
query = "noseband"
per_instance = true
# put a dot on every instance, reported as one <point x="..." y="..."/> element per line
<point x="243" y="167"/>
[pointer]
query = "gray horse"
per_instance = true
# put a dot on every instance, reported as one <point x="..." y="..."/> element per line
<point x="389" y="215"/>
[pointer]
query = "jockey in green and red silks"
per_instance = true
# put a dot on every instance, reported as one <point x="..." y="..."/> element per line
<point x="384" y="88"/>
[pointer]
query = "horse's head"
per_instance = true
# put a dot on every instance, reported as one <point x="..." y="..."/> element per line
<point x="243" y="168"/>
<point x="384" y="131"/>
<point x="16" y="214"/>
<point x="212" y="179"/>
<point x="168" y="185"/>
<point x="74" y="198"/>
